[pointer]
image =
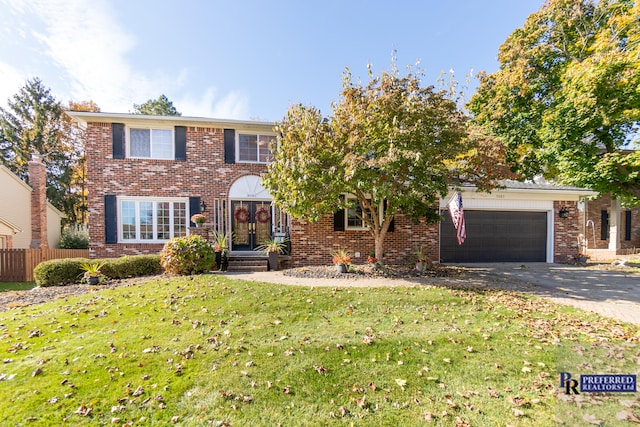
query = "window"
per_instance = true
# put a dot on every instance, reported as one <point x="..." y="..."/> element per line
<point x="354" y="215"/>
<point x="150" y="143"/>
<point x="254" y="148"/>
<point x="150" y="221"/>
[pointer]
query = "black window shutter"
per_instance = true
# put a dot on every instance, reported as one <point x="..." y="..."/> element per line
<point x="194" y="208"/>
<point x="604" y="225"/>
<point x="117" y="134"/>
<point x="110" y="219"/>
<point x="229" y="146"/>
<point x="338" y="219"/>
<point x="627" y="225"/>
<point x="180" y="142"/>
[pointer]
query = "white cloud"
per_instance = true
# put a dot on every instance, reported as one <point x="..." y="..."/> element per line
<point x="12" y="80"/>
<point x="234" y="105"/>
<point x="83" y="45"/>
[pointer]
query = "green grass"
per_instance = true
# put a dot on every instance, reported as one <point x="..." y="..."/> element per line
<point x="16" y="286"/>
<point x="206" y="350"/>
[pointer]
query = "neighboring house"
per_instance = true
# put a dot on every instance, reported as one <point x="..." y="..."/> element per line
<point x="610" y="229"/>
<point x="27" y="220"/>
<point x="147" y="175"/>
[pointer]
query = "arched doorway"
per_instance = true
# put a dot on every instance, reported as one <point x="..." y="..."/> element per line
<point x="251" y="214"/>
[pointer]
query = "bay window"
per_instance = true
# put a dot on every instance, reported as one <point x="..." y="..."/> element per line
<point x="151" y="220"/>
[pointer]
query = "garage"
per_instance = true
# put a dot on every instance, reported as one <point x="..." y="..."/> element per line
<point x="496" y="236"/>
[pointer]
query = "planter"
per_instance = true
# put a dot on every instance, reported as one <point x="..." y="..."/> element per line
<point x="93" y="280"/>
<point x="341" y="268"/>
<point x="273" y="261"/>
<point x="224" y="262"/>
<point x="219" y="260"/>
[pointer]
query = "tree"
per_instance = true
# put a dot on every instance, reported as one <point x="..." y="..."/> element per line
<point x="158" y="107"/>
<point x="566" y="99"/>
<point x="75" y="204"/>
<point x="393" y="145"/>
<point x="34" y="123"/>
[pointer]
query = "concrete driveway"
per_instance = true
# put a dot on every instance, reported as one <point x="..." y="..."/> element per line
<point x="613" y="294"/>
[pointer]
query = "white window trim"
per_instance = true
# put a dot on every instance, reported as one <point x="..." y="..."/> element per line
<point x="346" y="215"/>
<point x="153" y="200"/>
<point x="128" y="143"/>
<point x="237" y="148"/>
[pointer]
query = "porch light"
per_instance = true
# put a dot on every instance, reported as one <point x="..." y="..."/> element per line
<point x="563" y="213"/>
<point x="203" y="206"/>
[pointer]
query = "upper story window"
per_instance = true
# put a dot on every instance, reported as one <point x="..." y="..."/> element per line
<point x="150" y="143"/>
<point x="151" y="220"/>
<point x="254" y="148"/>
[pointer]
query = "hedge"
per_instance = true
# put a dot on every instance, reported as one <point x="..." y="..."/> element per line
<point x="69" y="271"/>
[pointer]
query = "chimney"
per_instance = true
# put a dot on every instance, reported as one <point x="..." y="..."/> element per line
<point x="38" y="184"/>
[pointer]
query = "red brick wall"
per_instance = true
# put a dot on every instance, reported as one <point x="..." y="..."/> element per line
<point x="204" y="174"/>
<point x="565" y="231"/>
<point x="38" y="184"/>
<point x="593" y="213"/>
<point x="313" y="242"/>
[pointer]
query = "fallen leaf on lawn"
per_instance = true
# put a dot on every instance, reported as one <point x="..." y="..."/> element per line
<point x="518" y="412"/>
<point x="83" y="410"/>
<point x="592" y="419"/>
<point x="401" y="382"/>
<point x="36" y="372"/>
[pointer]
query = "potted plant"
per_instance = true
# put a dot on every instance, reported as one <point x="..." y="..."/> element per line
<point x="198" y="219"/>
<point x="221" y="249"/>
<point x="422" y="260"/>
<point x="373" y="261"/>
<point x="342" y="260"/>
<point x="92" y="272"/>
<point x="272" y="248"/>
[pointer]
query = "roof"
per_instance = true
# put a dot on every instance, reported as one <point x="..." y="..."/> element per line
<point x="84" y="117"/>
<point x="8" y="226"/>
<point x="537" y="187"/>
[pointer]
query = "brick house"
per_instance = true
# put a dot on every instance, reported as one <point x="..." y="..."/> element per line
<point x="148" y="174"/>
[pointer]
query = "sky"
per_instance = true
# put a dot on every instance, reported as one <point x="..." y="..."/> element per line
<point x="241" y="59"/>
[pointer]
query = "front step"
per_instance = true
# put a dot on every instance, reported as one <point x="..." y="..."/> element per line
<point x="248" y="264"/>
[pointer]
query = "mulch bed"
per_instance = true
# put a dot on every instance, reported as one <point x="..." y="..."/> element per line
<point x="367" y="271"/>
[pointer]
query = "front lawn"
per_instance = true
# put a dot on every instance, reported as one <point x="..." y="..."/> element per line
<point x="16" y="286"/>
<point x="206" y="350"/>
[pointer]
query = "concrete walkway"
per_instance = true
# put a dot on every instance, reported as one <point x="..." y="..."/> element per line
<point x="614" y="294"/>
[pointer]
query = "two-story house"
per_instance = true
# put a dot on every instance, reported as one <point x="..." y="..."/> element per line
<point x="147" y="175"/>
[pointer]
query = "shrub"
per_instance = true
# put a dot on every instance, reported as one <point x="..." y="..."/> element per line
<point x="68" y="271"/>
<point x="74" y="237"/>
<point x="60" y="271"/>
<point x="132" y="266"/>
<point x="187" y="255"/>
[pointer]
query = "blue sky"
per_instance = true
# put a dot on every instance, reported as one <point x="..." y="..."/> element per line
<point x="240" y="59"/>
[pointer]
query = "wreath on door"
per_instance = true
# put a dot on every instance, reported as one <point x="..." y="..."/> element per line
<point x="241" y="215"/>
<point x="263" y="215"/>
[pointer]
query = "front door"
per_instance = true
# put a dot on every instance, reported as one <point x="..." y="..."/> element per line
<point x="251" y="224"/>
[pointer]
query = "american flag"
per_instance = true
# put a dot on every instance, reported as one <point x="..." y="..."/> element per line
<point x="457" y="217"/>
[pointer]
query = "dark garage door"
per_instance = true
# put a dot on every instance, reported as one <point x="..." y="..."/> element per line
<point x="494" y="236"/>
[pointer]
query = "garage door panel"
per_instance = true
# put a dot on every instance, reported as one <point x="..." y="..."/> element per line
<point x="496" y="236"/>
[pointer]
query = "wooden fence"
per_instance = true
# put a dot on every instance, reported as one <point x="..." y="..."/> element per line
<point x="16" y="265"/>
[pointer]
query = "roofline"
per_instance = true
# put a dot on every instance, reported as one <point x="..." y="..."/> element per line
<point x="16" y="177"/>
<point x="582" y="192"/>
<point x="12" y="226"/>
<point x="85" y="117"/>
<point x="28" y="187"/>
